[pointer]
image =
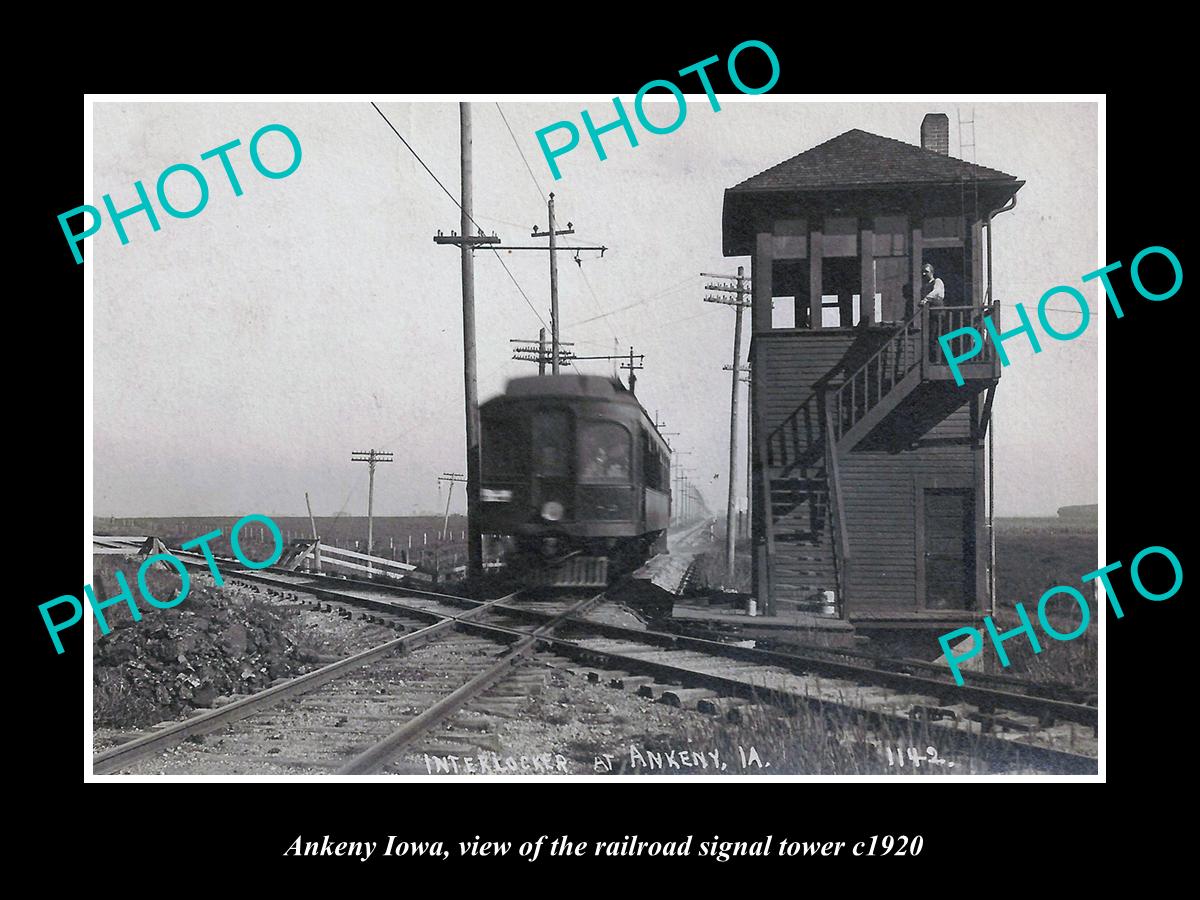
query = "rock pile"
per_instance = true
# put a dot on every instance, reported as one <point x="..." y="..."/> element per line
<point x="214" y="644"/>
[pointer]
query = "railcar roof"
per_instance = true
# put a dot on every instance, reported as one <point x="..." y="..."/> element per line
<point x="597" y="386"/>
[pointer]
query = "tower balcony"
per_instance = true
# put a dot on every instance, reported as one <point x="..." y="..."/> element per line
<point x="908" y="386"/>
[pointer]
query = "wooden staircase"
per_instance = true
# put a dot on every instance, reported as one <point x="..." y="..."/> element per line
<point x="902" y="391"/>
<point x="803" y="562"/>
<point x="804" y="565"/>
<point x="907" y="387"/>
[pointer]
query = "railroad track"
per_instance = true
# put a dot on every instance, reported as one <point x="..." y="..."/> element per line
<point x="341" y="718"/>
<point x="716" y="678"/>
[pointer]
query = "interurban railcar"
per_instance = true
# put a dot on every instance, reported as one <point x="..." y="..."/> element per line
<point x="573" y="465"/>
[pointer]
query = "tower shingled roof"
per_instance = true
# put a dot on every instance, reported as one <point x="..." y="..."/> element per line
<point x="857" y="158"/>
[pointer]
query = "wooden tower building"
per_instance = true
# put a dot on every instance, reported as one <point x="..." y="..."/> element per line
<point x="868" y="457"/>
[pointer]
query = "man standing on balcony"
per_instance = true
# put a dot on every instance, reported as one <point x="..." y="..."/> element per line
<point x="937" y="291"/>
<point x="935" y="296"/>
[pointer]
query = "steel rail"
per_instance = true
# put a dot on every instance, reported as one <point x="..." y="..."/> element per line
<point x="1060" y="761"/>
<point x="116" y="758"/>
<point x="380" y="754"/>
<point x="1048" y="757"/>
<point x="1035" y="689"/>
<point x="985" y="698"/>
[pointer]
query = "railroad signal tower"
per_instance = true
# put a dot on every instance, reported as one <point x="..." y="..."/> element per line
<point x="860" y="429"/>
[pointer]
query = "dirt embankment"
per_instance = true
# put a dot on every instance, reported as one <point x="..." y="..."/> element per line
<point x="217" y="643"/>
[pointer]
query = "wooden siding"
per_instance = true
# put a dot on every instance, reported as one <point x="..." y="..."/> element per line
<point x="879" y="488"/>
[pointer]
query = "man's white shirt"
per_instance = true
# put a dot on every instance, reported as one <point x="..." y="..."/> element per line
<point x="937" y="294"/>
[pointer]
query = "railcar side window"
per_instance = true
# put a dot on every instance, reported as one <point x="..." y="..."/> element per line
<point x="504" y="447"/>
<point x="604" y="449"/>
<point x="652" y="463"/>
<point x="552" y="443"/>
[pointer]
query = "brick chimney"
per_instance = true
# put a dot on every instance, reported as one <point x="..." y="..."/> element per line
<point x="935" y="133"/>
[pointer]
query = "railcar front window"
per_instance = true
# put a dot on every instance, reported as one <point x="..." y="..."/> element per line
<point x="552" y="443"/>
<point x="605" y="451"/>
<point x="505" y="448"/>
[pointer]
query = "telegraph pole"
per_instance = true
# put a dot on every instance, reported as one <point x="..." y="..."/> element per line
<point x="536" y="351"/>
<point x="743" y="373"/>
<point x="631" y="366"/>
<point x="316" y="537"/>
<point x="681" y="489"/>
<point x="553" y="234"/>
<point x="454" y="478"/>
<point x="738" y="304"/>
<point x="371" y="457"/>
<point x="466" y="242"/>
<point x="470" y="390"/>
<point x="554" y="289"/>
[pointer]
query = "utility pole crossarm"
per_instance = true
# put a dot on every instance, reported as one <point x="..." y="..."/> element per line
<point x="568" y="230"/>
<point x="564" y="357"/>
<point x="726" y="300"/>
<point x="371" y="457"/>
<point x="632" y="367"/>
<point x="466" y="240"/>
<point x="559" y="249"/>
<point x="536" y="351"/>
<point x="744" y="372"/>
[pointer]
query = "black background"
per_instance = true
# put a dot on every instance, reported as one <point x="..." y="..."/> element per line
<point x="970" y="829"/>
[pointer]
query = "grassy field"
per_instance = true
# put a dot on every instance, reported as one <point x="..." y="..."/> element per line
<point x="393" y="535"/>
<point x="1033" y="555"/>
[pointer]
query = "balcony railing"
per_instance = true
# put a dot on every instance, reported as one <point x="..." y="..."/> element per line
<point x="914" y="345"/>
<point x="946" y="319"/>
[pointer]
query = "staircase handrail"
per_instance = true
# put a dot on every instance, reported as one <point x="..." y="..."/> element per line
<point x="841" y="543"/>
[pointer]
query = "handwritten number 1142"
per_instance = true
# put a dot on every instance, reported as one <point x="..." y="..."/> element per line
<point x="916" y="759"/>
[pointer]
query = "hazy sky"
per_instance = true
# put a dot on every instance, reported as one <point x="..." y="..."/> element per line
<point x="242" y="354"/>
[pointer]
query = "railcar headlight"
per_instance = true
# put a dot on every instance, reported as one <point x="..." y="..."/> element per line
<point x="552" y="510"/>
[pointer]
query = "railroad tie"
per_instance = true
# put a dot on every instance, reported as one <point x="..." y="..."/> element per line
<point x="721" y="706"/>
<point x="497" y="708"/>
<point x="625" y="648"/>
<point x="1010" y="722"/>
<point x="297" y="763"/>
<point x="686" y="698"/>
<point x="750" y="712"/>
<point x="554" y="661"/>
<point x="630" y="682"/>
<point x="526" y="676"/>
<point x="446" y="749"/>
<point x="469" y="720"/>
<point x="475" y="740"/>
<point x="653" y="690"/>
<point x="898" y="703"/>
<point x="516" y="691"/>
<point x="924" y="713"/>
<point x="340" y="729"/>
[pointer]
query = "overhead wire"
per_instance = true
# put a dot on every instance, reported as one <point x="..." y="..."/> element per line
<point x="517" y="144"/>
<point x="459" y="205"/>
